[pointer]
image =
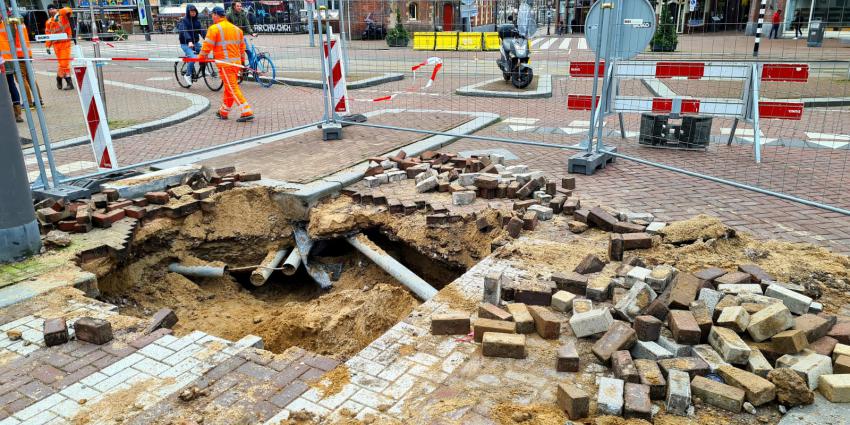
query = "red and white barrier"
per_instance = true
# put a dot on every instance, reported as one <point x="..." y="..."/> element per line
<point x="795" y="72"/>
<point x="98" y="130"/>
<point x="336" y="75"/>
<point x="435" y="61"/>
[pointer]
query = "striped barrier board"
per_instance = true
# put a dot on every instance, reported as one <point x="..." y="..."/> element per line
<point x="796" y="72"/>
<point x="98" y="129"/>
<point x="716" y="107"/>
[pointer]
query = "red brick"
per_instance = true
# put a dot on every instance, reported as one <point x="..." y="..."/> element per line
<point x="684" y="327"/>
<point x="111" y="194"/>
<point x="135" y="212"/>
<point x="49" y="215"/>
<point x="140" y="202"/>
<point x="95" y="331"/>
<point x="637" y="241"/>
<point x="67" y="225"/>
<point x="490" y="311"/>
<point x="601" y="219"/>
<point x="107" y="219"/>
<point x="159" y="198"/>
<point x="112" y="206"/>
<point x="55" y="331"/>
<point x="624" y="366"/>
<point x="568" y="359"/>
<point x="647" y="328"/>
<point x="636" y="402"/>
<point x="615" y="247"/>
<point x="590" y="264"/>
<point x="547" y="323"/>
<point x="619" y="336"/>
<point x="450" y="324"/>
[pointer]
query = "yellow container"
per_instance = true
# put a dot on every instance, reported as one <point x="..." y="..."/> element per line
<point x="424" y="40"/>
<point x="492" y="41"/>
<point x="470" y="41"/>
<point x="446" y="40"/>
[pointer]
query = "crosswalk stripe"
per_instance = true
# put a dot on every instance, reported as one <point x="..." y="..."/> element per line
<point x="565" y="44"/>
<point x="548" y="43"/>
<point x="582" y="44"/>
<point x="535" y="41"/>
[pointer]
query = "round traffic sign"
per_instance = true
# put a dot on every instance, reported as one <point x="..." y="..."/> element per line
<point x="627" y="27"/>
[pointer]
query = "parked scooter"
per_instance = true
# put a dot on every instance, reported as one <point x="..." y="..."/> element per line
<point x="372" y="31"/>
<point x="515" y="55"/>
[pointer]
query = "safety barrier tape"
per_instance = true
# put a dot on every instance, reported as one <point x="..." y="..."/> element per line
<point x="434" y="61"/>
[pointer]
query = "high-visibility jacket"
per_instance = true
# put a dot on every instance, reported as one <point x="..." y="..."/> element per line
<point x="59" y="24"/>
<point x="5" y="46"/>
<point x="225" y="41"/>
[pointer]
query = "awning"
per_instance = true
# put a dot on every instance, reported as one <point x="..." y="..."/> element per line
<point x="181" y="10"/>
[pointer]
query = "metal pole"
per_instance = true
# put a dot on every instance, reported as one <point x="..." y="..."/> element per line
<point x="759" y="26"/>
<point x="395" y="269"/>
<point x="26" y="107"/>
<point x="344" y="46"/>
<point x="98" y="67"/>
<point x="755" y="103"/>
<point x="609" y="71"/>
<point x="594" y="105"/>
<point x="310" y="8"/>
<point x="150" y="24"/>
<point x="328" y="71"/>
<point x="19" y="235"/>
<point x="325" y="87"/>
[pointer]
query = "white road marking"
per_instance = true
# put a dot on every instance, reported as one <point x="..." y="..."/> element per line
<point x="548" y="43"/>
<point x="565" y="45"/>
<point x="740" y="132"/>
<point x="535" y="41"/>
<point x="519" y="128"/>
<point x="828" y="136"/>
<point x="833" y="144"/>
<point x="582" y="44"/>
<point x="520" y="120"/>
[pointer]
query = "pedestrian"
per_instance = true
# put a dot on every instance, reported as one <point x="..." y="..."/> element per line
<point x="9" y="71"/>
<point x="237" y="16"/>
<point x="798" y="24"/>
<point x="57" y="25"/>
<point x="15" y="24"/>
<point x="190" y="31"/>
<point x="227" y="44"/>
<point x="776" y="20"/>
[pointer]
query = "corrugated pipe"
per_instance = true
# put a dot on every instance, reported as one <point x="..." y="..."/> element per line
<point x="389" y="264"/>
<point x="197" y="271"/>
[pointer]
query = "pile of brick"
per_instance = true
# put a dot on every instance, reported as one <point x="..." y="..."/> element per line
<point x="731" y="339"/>
<point x="106" y="207"/>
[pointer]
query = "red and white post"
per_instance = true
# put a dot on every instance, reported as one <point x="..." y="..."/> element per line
<point x="95" y="115"/>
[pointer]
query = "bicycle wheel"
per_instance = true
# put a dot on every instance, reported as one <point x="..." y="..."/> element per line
<point x="265" y="72"/>
<point x="211" y="77"/>
<point x="179" y="72"/>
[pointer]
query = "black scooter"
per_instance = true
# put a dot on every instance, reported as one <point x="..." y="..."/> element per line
<point x="515" y="56"/>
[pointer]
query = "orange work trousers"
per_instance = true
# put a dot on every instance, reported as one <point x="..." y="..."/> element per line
<point x="63" y="54"/>
<point x="232" y="93"/>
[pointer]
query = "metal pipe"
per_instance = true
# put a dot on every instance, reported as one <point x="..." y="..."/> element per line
<point x="292" y="262"/>
<point x="261" y="274"/>
<point x="389" y="264"/>
<point x="197" y="271"/>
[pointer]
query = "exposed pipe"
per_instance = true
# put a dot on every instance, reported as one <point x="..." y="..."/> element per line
<point x="293" y="261"/>
<point x="197" y="271"/>
<point x="389" y="264"/>
<point x="261" y="274"/>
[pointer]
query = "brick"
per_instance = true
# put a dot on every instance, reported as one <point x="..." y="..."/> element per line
<point x="221" y="187"/>
<point x="582" y="305"/>
<point x="624" y="367"/>
<point x="514" y="227"/>
<point x="637" y="241"/>
<point x="657" y="309"/>
<point x="568" y="183"/>
<point x="563" y="301"/>
<point x="840" y="350"/>
<point x="694" y="366"/>
<point x="726" y="301"/>
<point x="660" y="277"/>
<point x="841" y="332"/>
<point x="717" y="394"/>
<point x="119" y="205"/>
<point x="650" y="374"/>
<point x="732" y="278"/>
<point x="707" y="353"/>
<point x="591" y="322"/>
<point x="571" y="282"/>
<point x="573" y="400"/>
<point x="95" y="331"/>
<point x="814" y="326"/>
<point x="757" y="274"/>
<point x="790" y="341"/>
<point x="730" y="346"/>
<point x="107" y="219"/>
<point x="590" y="264"/>
<point x="678" y="392"/>
<point x="618" y="337"/>
<point x="710" y="274"/>
<point x="609" y="399"/>
<point x="735" y="318"/>
<point x="522" y="317"/>
<point x="146" y="340"/>
<point x="203" y="193"/>
<point x="601" y="219"/>
<point x="626" y="227"/>
<point x="615" y="247"/>
<point x="490" y="311"/>
<point x="164" y="318"/>
<point x="684" y="290"/>
<point x="547" y="324"/>
<point x="684" y="327"/>
<point x="835" y="387"/>
<point x="49" y="215"/>
<point x="758" y="364"/>
<point x="636" y="300"/>
<point x="769" y="321"/>
<point x="450" y="324"/>
<point x="710" y="297"/>
<point x="808" y="365"/>
<point x="647" y="328"/>
<point x="486" y="181"/>
<point x="796" y="303"/>
<point x="703" y="318"/>
<point x="495" y="344"/>
<point x="758" y="390"/>
<point x="650" y="350"/>
<point x="159" y="198"/>
<point x="493" y="287"/>
<point x="182" y="209"/>
<point x="637" y="403"/>
<point x="135" y="212"/>
<point x="824" y="345"/>
<point x="568" y="359"/>
<point x="637" y="274"/>
<point x="480" y="326"/>
<point x="55" y="331"/>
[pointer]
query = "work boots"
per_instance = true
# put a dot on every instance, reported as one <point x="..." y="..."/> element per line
<point x="18" y="117"/>
<point x="59" y="83"/>
<point x="70" y="85"/>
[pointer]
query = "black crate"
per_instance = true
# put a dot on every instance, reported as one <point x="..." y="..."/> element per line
<point x="696" y="131"/>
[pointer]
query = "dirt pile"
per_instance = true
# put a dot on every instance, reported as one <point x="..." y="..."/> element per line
<point x="791" y="389"/>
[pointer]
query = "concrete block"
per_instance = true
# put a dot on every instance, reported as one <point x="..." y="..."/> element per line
<point x="708" y="355"/>
<point x="735" y="318"/>
<point x="650" y="374"/>
<point x="836" y="388"/>
<point x="619" y="336"/>
<point x="481" y="326"/>
<point x="740" y="288"/>
<point x="426" y="185"/>
<point x="543" y="213"/>
<point x="493" y="287"/>
<point x="717" y="394"/>
<point x="591" y="322"/>
<point x="702" y="317"/>
<point x="637" y="274"/>
<point x="678" y="392"/>
<point x="563" y="301"/>
<point x="656" y="228"/>
<point x="547" y="324"/>
<point x="582" y="305"/>
<point x="495" y="344"/>
<point x="609" y="399"/>
<point x="647" y="328"/>
<point x="730" y="346"/>
<point x="790" y="341"/>
<point x="636" y="300"/>
<point x="710" y="297"/>
<point x="464" y="197"/>
<point x="758" y="389"/>
<point x="669" y="344"/>
<point x="650" y="350"/>
<point x="450" y="324"/>
<point x="598" y="288"/>
<point x="758" y="364"/>
<point x="624" y="367"/>
<point x="797" y="303"/>
<point x="522" y="318"/>
<point x="840" y="350"/>
<point x="568" y="359"/>
<point x="808" y="364"/>
<point x="769" y="321"/>
<point x="661" y="276"/>
<point x="574" y="401"/>
<point x="636" y="402"/>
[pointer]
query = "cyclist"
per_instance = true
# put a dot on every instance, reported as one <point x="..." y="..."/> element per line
<point x="238" y="17"/>
<point x="190" y="31"/>
<point x="227" y="44"/>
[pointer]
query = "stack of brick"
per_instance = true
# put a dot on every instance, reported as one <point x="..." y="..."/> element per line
<point x="669" y="335"/>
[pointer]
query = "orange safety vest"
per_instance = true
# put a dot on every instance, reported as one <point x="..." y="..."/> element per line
<point x="226" y="42"/>
<point x="5" y="48"/>
<point x="59" y="24"/>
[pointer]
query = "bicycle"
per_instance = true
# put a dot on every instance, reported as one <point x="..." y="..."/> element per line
<point x="260" y="67"/>
<point x="208" y="73"/>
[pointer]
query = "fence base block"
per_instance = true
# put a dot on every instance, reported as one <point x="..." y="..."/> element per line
<point x="331" y="131"/>
<point x="66" y="192"/>
<point x="588" y="162"/>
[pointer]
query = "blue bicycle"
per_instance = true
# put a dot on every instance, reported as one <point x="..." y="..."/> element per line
<point x="260" y="67"/>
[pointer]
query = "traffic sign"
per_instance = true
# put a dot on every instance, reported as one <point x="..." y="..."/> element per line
<point x="468" y="11"/>
<point x="143" y="16"/>
<point x="631" y="23"/>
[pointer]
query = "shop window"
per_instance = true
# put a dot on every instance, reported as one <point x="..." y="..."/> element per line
<point x="413" y="11"/>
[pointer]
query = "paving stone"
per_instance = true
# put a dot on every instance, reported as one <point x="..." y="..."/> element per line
<point x="571" y="282"/>
<point x="658" y="308"/>
<point x="481" y="326"/>
<point x="735" y="318"/>
<point x="758" y="390"/>
<point x="493" y="282"/>
<point x="619" y="336"/>
<point x="650" y="350"/>
<point x="624" y="367"/>
<point x="678" y="392"/>
<point x="840" y="350"/>
<point x="547" y="324"/>
<point x="770" y="321"/>
<point x="711" y="357"/>
<point x="647" y="328"/>
<point x="95" y="331"/>
<point x="568" y="359"/>
<point x="637" y="241"/>
<point x="609" y="399"/>
<point x="702" y="317"/>
<point x="758" y="364"/>
<point x="717" y="394"/>
<point x="598" y="288"/>
<point x="814" y="326"/>
<point x="582" y="306"/>
<point x="450" y="324"/>
<point x="730" y="346"/>
<point x="835" y="387"/>
<point x="503" y="345"/>
<point x="694" y="366"/>
<point x="573" y="400"/>
<point x="757" y="274"/>
<point x="733" y="278"/>
<point x="841" y="332"/>
<point x="726" y="301"/>
<point x="164" y="318"/>
<point x="563" y="301"/>
<point x="602" y="219"/>
<point x="808" y="364"/>
<point x="591" y="322"/>
<point x="288" y="394"/>
<point x="740" y="288"/>
<point x="791" y="341"/>
<point x="637" y="403"/>
<point x="637" y="274"/>
<point x="684" y="327"/>
<point x="797" y="303"/>
<point x="650" y="374"/>
<point x="710" y="297"/>
<point x="636" y="300"/>
<point x="535" y="293"/>
<point x="590" y="264"/>
<point x="522" y="318"/>
<point x="661" y="276"/>
<point x="710" y="274"/>
<point x="490" y="311"/>
<point x="616" y="247"/>
<point x="824" y="346"/>
<point x="684" y="290"/>
<point x="678" y="350"/>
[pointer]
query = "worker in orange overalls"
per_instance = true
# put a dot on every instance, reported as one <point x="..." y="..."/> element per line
<point x="227" y="44"/>
<point x="60" y="24"/>
<point x="14" y="24"/>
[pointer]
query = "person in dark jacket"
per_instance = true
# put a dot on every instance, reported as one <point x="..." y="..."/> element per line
<point x="190" y="32"/>
<point x="237" y="16"/>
